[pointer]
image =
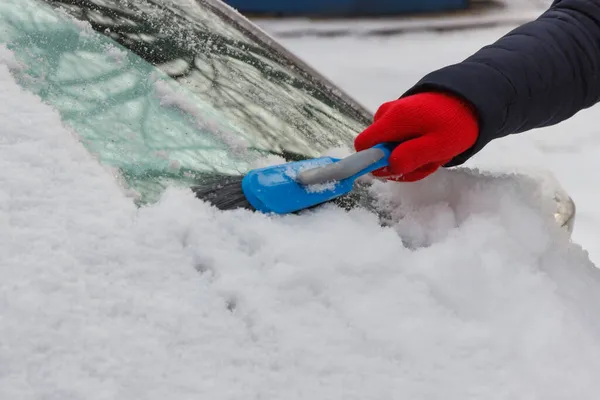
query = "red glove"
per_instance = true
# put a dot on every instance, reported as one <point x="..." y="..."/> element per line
<point x="435" y="128"/>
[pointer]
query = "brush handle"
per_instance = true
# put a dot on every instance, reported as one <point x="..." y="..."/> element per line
<point x="357" y="164"/>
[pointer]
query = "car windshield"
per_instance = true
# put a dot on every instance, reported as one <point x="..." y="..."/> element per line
<point x="167" y="92"/>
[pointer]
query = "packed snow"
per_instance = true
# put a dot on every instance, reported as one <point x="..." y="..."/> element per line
<point x="468" y="290"/>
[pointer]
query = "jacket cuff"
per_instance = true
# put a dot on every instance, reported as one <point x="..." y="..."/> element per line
<point x="486" y="89"/>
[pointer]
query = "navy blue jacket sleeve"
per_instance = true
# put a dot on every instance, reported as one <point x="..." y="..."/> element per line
<point x="537" y="75"/>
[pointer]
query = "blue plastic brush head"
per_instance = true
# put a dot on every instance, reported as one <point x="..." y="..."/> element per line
<point x="278" y="189"/>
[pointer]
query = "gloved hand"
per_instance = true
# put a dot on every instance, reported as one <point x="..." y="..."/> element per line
<point x="436" y="127"/>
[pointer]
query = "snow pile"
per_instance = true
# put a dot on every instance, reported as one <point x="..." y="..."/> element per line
<point x="470" y="291"/>
<point x="390" y="65"/>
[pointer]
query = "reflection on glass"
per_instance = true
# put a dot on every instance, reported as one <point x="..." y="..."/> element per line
<point x="167" y="91"/>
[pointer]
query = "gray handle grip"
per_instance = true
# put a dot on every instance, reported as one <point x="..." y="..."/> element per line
<point x="342" y="169"/>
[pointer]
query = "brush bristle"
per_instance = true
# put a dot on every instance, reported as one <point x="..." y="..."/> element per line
<point x="225" y="193"/>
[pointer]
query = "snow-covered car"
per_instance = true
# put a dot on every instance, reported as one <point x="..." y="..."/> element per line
<point x="174" y="92"/>
<point x="469" y="290"/>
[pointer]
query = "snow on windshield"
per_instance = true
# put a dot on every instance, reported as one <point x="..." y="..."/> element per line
<point x="469" y="291"/>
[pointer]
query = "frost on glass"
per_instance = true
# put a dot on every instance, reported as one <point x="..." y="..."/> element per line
<point x="168" y="92"/>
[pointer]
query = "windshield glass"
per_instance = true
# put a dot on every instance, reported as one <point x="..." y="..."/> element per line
<point x="169" y="91"/>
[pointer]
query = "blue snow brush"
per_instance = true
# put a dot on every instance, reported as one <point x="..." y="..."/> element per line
<point x="295" y="186"/>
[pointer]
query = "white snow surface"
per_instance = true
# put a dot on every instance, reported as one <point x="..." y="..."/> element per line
<point x="378" y="69"/>
<point x="470" y="291"/>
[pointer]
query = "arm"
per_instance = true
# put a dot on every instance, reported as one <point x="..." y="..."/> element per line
<point x="537" y="75"/>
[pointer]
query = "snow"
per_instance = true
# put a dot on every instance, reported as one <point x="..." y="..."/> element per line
<point x="8" y="60"/>
<point x="171" y="96"/>
<point x="118" y="55"/>
<point x="322" y="187"/>
<point x="388" y="66"/>
<point x="469" y="291"/>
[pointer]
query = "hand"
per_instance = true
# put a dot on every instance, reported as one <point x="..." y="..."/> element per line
<point x="434" y="128"/>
